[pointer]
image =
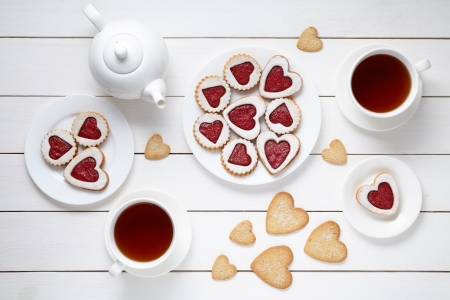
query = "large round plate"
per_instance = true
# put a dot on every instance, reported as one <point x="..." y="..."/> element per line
<point x="118" y="148"/>
<point x="374" y="225"/>
<point x="308" y="131"/>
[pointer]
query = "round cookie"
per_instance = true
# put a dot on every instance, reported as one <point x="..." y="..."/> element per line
<point x="58" y="147"/>
<point x="90" y="129"/>
<point x="242" y="72"/>
<point x="211" y="131"/>
<point x="212" y="94"/>
<point x="239" y="157"/>
<point x="283" y="115"/>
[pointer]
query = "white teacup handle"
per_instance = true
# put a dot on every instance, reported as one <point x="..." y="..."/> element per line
<point x="422" y="65"/>
<point x="116" y="269"/>
<point x="95" y="17"/>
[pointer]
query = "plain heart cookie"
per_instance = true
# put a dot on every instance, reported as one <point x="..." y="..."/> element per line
<point x="381" y="197"/>
<point x="283" y="115"/>
<point x="242" y="72"/>
<point x="58" y="147"/>
<point x="85" y="171"/>
<point x="323" y="243"/>
<point x="155" y="148"/>
<point x="272" y="266"/>
<point x="90" y="129"/>
<point x="243" y="116"/>
<point x="282" y="217"/>
<point x="336" y="154"/>
<point x="308" y="40"/>
<point x="212" y="94"/>
<point x="276" y="153"/>
<point x="222" y="269"/>
<point x="277" y="81"/>
<point x="239" y="157"/>
<point x="211" y="131"/>
<point x="242" y="234"/>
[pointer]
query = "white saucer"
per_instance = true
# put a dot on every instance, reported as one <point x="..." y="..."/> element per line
<point x="350" y="110"/>
<point x="118" y="148"/>
<point x="374" y="225"/>
<point x="307" y="98"/>
<point x="183" y="242"/>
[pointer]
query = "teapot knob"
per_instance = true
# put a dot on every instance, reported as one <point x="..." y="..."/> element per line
<point x="121" y="51"/>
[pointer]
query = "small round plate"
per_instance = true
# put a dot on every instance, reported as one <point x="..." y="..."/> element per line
<point x="352" y="112"/>
<point x="374" y="225"/>
<point x="183" y="224"/>
<point x="308" y="130"/>
<point x="118" y="148"/>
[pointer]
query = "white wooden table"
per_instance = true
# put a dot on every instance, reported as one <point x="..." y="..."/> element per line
<point x="53" y="251"/>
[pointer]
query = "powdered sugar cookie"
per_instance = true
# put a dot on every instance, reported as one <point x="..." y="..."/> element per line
<point x="242" y="72"/>
<point x="323" y="243"/>
<point x="283" y="115"/>
<point x="213" y="94"/>
<point x="282" y="217"/>
<point x="381" y="197"/>
<point x="211" y="131"/>
<point x="242" y="234"/>
<point x="90" y="129"/>
<point x="222" y="269"/>
<point x="58" y="147"/>
<point x="239" y="157"/>
<point x="243" y="116"/>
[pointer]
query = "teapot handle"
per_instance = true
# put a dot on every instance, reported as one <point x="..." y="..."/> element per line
<point x="155" y="92"/>
<point x="95" y="17"/>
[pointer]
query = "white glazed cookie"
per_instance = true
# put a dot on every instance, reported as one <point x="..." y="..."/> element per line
<point x="277" y="81"/>
<point x="276" y="153"/>
<point x="85" y="171"/>
<point x="283" y="115"/>
<point x="58" y="147"/>
<point x="381" y="197"/>
<point x="242" y="72"/>
<point x="211" y="131"/>
<point x="243" y="116"/>
<point x="239" y="157"/>
<point x="212" y="94"/>
<point x="90" y="129"/>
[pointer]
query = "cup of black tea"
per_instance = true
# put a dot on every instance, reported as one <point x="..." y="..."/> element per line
<point x="384" y="82"/>
<point x="141" y="235"/>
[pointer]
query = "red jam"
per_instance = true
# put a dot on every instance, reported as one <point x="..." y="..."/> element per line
<point x="212" y="130"/>
<point x="383" y="198"/>
<point x="281" y="115"/>
<point x="58" y="147"/>
<point x="213" y="95"/>
<point x="239" y="156"/>
<point x="89" y="129"/>
<point x="276" y="153"/>
<point x="242" y="116"/>
<point x="242" y="72"/>
<point x="276" y="81"/>
<point x="84" y="170"/>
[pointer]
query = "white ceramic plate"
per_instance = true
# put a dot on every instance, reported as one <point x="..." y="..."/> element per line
<point x="183" y="224"/>
<point x="118" y="148"/>
<point x="352" y="112"/>
<point x="374" y="225"/>
<point x="308" y="131"/>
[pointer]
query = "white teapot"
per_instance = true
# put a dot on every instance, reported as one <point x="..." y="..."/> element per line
<point x="128" y="59"/>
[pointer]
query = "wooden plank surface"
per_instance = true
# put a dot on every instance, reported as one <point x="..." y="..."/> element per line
<point x="70" y="241"/>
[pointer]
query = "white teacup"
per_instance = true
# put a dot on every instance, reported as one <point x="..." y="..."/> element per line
<point x="122" y="260"/>
<point x="413" y="69"/>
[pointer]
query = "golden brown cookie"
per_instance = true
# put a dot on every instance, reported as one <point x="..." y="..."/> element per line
<point x="242" y="234"/>
<point x="272" y="266"/>
<point x="155" y="148"/>
<point x="336" y="154"/>
<point x="323" y="243"/>
<point x="282" y="217"/>
<point x="308" y="40"/>
<point x="222" y="269"/>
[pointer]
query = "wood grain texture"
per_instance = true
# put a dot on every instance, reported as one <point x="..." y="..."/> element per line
<point x="67" y="241"/>
<point x="253" y="18"/>
<point x="60" y="66"/>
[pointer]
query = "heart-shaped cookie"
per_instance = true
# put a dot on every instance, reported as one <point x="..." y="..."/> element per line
<point x="211" y="131"/>
<point x="212" y="94"/>
<point x="323" y="243"/>
<point x="155" y="148"/>
<point x="242" y="234"/>
<point x="336" y="154"/>
<point x="283" y="115"/>
<point x="239" y="157"/>
<point x="85" y="170"/>
<point x="222" y="269"/>
<point x="243" y="116"/>
<point x="282" y="217"/>
<point x="381" y="197"/>
<point x="242" y="72"/>
<point x="272" y="266"/>
<point x="90" y="129"/>
<point x="277" y="81"/>
<point x="275" y="152"/>
<point x="308" y="40"/>
<point x="58" y="147"/>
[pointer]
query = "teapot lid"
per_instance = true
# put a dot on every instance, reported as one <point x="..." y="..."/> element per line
<point x="123" y="53"/>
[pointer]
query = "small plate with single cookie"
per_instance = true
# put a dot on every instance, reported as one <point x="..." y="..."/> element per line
<point x="381" y="197"/>
<point x="79" y="149"/>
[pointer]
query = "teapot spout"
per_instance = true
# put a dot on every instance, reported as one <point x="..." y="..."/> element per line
<point x="155" y="92"/>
